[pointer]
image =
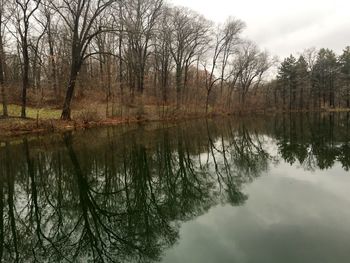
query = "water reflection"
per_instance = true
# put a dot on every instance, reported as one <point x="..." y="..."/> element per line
<point x="315" y="141"/>
<point x="120" y="195"/>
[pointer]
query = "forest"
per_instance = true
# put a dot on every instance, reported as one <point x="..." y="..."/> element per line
<point x="315" y="80"/>
<point x="100" y="59"/>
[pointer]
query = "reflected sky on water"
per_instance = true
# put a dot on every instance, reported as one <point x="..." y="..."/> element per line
<point x="264" y="189"/>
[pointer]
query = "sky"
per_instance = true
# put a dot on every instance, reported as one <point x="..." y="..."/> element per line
<point x="283" y="27"/>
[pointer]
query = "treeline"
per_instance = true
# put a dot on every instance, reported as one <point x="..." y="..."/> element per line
<point x="125" y="49"/>
<point x="313" y="81"/>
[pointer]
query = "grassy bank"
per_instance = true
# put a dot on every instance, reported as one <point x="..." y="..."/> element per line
<point x="46" y="120"/>
<point x="32" y="113"/>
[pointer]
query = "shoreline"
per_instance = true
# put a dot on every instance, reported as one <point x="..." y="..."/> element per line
<point x="14" y="127"/>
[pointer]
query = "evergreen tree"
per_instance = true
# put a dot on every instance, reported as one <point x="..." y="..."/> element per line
<point x="303" y="80"/>
<point x="288" y="81"/>
<point x="324" y="76"/>
<point x="344" y="63"/>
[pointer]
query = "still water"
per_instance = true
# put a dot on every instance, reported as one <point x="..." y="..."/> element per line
<point x="265" y="189"/>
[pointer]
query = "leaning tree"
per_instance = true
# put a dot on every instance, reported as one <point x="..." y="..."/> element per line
<point x="80" y="16"/>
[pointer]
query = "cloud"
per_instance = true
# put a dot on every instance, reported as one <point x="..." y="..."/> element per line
<point x="284" y="27"/>
<point x="290" y="216"/>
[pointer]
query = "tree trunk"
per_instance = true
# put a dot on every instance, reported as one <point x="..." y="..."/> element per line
<point x="2" y="77"/>
<point x="3" y="92"/>
<point x="284" y="98"/>
<point x="165" y="82"/>
<point x="178" y="86"/>
<point x="207" y="102"/>
<point x="25" y="78"/>
<point x="66" y="112"/>
<point x="120" y="60"/>
<point x="301" y="98"/>
<point x="185" y="96"/>
<point x="53" y="78"/>
<point x="4" y="101"/>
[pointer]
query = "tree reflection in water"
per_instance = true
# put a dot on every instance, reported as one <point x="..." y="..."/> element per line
<point x="108" y="196"/>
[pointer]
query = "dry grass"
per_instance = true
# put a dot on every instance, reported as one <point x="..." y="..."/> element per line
<point x="88" y="113"/>
<point x="32" y="113"/>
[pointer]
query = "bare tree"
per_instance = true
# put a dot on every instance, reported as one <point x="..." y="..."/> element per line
<point x="51" y="34"/>
<point x="140" y="18"/>
<point x="223" y="43"/>
<point x="80" y="17"/>
<point x="252" y="64"/>
<point x="162" y="56"/>
<point x="2" y="60"/>
<point x="189" y="37"/>
<point x="231" y="30"/>
<point x="24" y="12"/>
<point x="36" y="45"/>
<point x="109" y="46"/>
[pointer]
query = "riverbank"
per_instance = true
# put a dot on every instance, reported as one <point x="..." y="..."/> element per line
<point x="47" y="120"/>
<point x="13" y="127"/>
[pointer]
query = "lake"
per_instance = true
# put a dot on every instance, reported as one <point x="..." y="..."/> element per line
<point x="263" y="189"/>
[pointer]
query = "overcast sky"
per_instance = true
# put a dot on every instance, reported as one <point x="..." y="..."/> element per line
<point x="283" y="27"/>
